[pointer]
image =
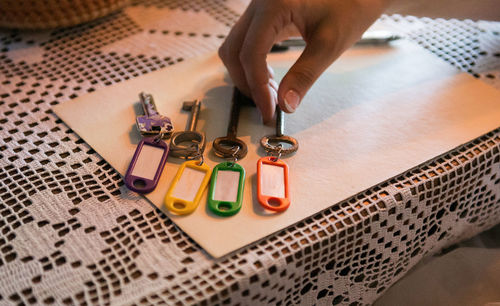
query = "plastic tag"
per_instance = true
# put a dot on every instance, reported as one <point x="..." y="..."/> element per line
<point x="272" y="184"/>
<point x="188" y="185"/>
<point x="226" y="189"/>
<point x="146" y="166"/>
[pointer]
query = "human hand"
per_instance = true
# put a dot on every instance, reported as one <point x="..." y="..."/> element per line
<point x="328" y="27"/>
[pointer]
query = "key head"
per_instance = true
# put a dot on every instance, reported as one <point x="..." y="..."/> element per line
<point x="154" y="125"/>
<point x="270" y="143"/>
<point x="226" y="147"/>
<point x="187" y="144"/>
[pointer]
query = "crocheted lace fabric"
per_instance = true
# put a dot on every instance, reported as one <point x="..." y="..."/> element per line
<point x="70" y="232"/>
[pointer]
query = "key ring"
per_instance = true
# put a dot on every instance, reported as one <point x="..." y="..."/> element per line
<point x="197" y="155"/>
<point x="159" y="137"/>
<point x="280" y="149"/>
<point x="234" y="155"/>
<point x="266" y="144"/>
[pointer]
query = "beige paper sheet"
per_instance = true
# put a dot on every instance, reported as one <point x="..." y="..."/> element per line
<point x="373" y="114"/>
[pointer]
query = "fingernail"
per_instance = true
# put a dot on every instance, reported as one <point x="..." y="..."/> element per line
<point x="291" y="100"/>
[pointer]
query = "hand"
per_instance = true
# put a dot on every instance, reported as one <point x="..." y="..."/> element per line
<point x="328" y="27"/>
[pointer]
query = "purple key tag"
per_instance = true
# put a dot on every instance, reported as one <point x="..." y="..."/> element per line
<point x="146" y="166"/>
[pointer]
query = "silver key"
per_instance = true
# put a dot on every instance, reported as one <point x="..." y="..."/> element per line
<point x="273" y="143"/>
<point x="152" y="123"/>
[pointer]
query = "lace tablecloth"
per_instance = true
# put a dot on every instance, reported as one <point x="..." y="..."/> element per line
<point x="71" y="233"/>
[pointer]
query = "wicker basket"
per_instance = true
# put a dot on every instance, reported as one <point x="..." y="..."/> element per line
<point x="45" y="14"/>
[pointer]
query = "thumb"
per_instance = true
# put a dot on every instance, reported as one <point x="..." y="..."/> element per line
<point x="315" y="58"/>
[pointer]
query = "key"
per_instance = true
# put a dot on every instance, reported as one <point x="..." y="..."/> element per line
<point x="226" y="146"/>
<point x="145" y="169"/>
<point x="369" y="38"/>
<point x="272" y="143"/>
<point x="187" y="187"/>
<point x="152" y="123"/>
<point x="272" y="173"/>
<point x="225" y="194"/>
<point x="178" y="148"/>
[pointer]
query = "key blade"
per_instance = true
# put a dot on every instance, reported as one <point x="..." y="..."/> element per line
<point x="280" y="124"/>
<point x="148" y="104"/>
<point x="235" y="113"/>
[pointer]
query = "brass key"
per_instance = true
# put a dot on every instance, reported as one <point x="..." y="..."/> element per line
<point x="230" y="146"/>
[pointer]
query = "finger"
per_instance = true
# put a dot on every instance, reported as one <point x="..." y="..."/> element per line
<point x="318" y="54"/>
<point x="230" y="49"/>
<point x="274" y="85"/>
<point x="270" y="71"/>
<point x="290" y="30"/>
<point x="261" y="35"/>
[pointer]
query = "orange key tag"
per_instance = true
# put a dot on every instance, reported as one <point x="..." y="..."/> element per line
<point x="272" y="184"/>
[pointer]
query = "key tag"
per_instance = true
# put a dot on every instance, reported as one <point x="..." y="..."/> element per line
<point x="145" y="169"/>
<point x="189" y="183"/>
<point x="225" y="194"/>
<point x="272" y="183"/>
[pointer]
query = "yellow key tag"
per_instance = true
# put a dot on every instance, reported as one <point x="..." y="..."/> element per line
<point x="187" y="187"/>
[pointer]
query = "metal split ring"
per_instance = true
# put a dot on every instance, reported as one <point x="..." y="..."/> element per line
<point x="225" y="147"/>
<point x="186" y="152"/>
<point x="267" y="143"/>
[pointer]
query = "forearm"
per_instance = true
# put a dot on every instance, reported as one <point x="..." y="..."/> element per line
<point x="459" y="9"/>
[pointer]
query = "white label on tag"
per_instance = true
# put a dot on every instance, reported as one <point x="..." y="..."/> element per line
<point x="147" y="162"/>
<point x="188" y="185"/>
<point x="273" y="180"/>
<point x="226" y="187"/>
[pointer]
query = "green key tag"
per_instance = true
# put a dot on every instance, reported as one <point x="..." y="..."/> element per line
<point x="226" y="189"/>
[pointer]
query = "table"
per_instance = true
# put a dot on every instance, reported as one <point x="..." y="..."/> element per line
<point x="71" y="233"/>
